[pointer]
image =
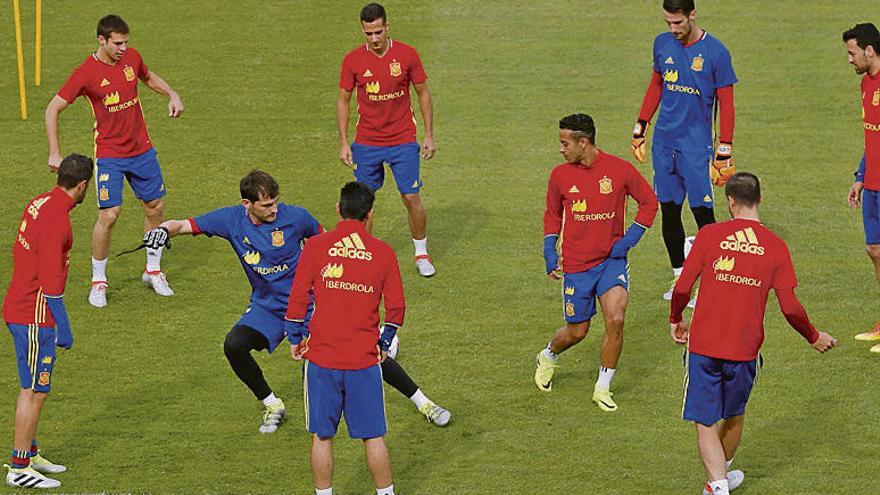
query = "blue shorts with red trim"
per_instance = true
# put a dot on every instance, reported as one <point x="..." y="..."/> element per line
<point x="357" y="394"/>
<point x="142" y="173"/>
<point x="403" y="159"/>
<point x="580" y="290"/>
<point x="871" y="215"/>
<point x="678" y="174"/>
<point x="716" y="389"/>
<point x="35" y="355"/>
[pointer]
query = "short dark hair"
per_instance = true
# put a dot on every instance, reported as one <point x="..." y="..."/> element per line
<point x="258" y="183"/>
<point x="355" y="201"/>
<point x="111" y="24"/>
<point x="676" y="6"/>
<point x="75" y="169"/>
<point x="373" y="11"/>
<point x="581" y="126"/>
<point x="745" y="188"/>
<point x="865" y="34"/>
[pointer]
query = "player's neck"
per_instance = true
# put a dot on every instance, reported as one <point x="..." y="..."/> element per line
<point x="590" y="157"/>
<point x="875" y="68"/>
<point x="696" y="34"/>
<point x="382" y="51"/>
<point x="747" y="214"/>
<point x="103" y="57"/>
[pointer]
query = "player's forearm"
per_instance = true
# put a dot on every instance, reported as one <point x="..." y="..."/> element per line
<point x="427" y="107"/>
<point x="652" y="97"/>
<point x="860" y="172"/>
<point x="342" y="116"/>
<point x="176" y="227"/>
<point x="647" y="201"/>
<point x="796" y="315"/>
<point x="681" y="292"/>
<point x="159" y="85"/>
<point x="726" y="114"/>
<point x="51" y="118"/>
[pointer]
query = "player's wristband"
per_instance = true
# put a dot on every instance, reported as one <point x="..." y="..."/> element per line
<point x="63" y="334"/>
<point x="387" y="335"/>
<point x="723" y="151"/>
<point x="551" y="257"/>
<point x="296" y="331"/>
<point x="860" y="173"/>
<point x="632" y="236"/>
<point x="640" y="129"/>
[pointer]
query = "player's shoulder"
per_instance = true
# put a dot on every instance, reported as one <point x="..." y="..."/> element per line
<point x="715" y="44"/>
<point x="663" y="39"/>
<point x="402" y="47"/>
<point x="355" y="53"/>
<point x="295" y="213"/>
<point x="132" y="54"/>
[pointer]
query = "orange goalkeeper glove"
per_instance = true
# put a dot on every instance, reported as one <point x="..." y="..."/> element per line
<point x="638" y="144"/>
<point x="722" y="168"/>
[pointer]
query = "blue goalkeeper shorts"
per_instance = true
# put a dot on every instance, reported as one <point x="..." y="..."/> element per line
<point x="716" y="389"/>
<point x="678" y="174"/>
<point x="357" y="394"/>
<point x="142" y="173"/>
<point x="35" y="355"/>
<point x="580" y="290"/>
<point x="871" y="215"/>
<point x="402" y="159"/>
<point x="268" y="323"/>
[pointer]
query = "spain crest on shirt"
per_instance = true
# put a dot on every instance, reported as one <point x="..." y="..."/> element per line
<point x="129" y="73"/>
<point x="876" y="99"/>
<point x="605" y="186"/>
<point x="395" y="68"/>
<point x="697" y="64"/>
<point x="277" y="238"/>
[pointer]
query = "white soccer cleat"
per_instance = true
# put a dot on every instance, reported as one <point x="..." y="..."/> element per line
<point x="425" y="266"/>
<point x="435" y="414"/>
<point x="27" y="477"/>
<point x="273" y="416"/>
<point x="98" y="294"/>
<point x="734" y="480"/>
<point x="158" y="282"/>
<point x="45" y="466"/>
<point x="394" y="348"/>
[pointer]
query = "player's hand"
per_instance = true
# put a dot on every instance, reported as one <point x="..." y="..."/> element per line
<point x="638" y="144"/>
<point x="555" y="274"/>
<point x="298" y="351"/>
<point x="428" y="147"/>
<point x="157" y="238"/>
<point x="854" y="198"/>
<point x="680" y="332"/>
<point x="382" y="356"/>
<point x="722" y="168"/>
<point x="54" y="162"/>
<point x="175" y="106"/>
<point x="824" y="342"/>
<point x="345" y="156"/>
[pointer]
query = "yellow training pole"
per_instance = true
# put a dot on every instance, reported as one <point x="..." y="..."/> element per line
<point x="21" y="92"/>
<point x="38" y="47"/>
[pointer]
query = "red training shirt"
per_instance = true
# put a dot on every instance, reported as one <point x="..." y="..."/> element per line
<point x="350" y="272"/>
<point x="871" y="123"/>
<point x="41" y="256"/>
<point x="112" y="91"/>
<point x="737" y="261"/>
<point x="586" y="206"/>
<point x="384" y="105"/>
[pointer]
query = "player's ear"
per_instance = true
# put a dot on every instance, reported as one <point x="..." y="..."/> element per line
<point x="337" y="209"/>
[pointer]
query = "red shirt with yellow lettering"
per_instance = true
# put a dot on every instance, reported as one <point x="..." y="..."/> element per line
<point x="41" y="256"/>
<point x="382" y="83"/>
<point x="871" y="123"/>
<point x="112" y="91"/>
<point x="351" y="272"/>
<point x="586" y="206"/>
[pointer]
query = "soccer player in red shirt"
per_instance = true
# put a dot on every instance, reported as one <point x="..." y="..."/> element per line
<point x="35" y="313"/>
<point x="863" y="49"/>
<point x="381" y="71"/>
<point x="108" y="79"/>
<point x="349" y="272"/>
<point x="586" y="205"/>
<point x="737" y="262"/>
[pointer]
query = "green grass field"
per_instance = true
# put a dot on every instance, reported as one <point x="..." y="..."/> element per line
<point x="145" y="401"/>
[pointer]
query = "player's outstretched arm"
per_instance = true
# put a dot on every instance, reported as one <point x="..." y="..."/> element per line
<point x="427" y="107"/>
<point x="343" y="111"/>
<point x="56" y="105"/>
<point x="157" y="84"/>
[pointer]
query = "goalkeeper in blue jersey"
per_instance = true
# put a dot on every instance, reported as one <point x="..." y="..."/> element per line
<point x="268" y="236"/>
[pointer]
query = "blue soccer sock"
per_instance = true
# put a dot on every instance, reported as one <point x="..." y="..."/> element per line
<point x="34" y="449"/>
<point x="20" y="459"/>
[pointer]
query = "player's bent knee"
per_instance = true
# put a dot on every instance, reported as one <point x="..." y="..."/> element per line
<point x="614" y="324"/>
<point x="873" y="250"/>
<point x="578" y="331"/>
<point x="108" y="216"/>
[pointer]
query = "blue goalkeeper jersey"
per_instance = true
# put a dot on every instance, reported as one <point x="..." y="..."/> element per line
<point x="268" y="252"/>
<point x="691" y="75"/>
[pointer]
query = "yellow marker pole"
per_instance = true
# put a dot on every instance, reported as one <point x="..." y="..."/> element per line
<point x="21" y="92"/>
<point x="38" y="46"/>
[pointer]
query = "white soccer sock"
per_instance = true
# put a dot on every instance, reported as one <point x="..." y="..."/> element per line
<point x="325" y="491"/>
<point x="388" y="490"/>
<point x="99" y="270"/>
<point x="421" y="246"/>
<point x="270" y="399"/>
<point x="719" y="487"/>
<point x="549" y="354"/>
<point x="419" y="398"/>
<point x="605" y="376"/>
<point x="729" y="463"/>
<point x="677" y="271"/>
<point x="154" y="256"/>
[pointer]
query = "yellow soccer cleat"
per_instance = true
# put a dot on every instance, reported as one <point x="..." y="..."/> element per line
<point x="876" y="349"/>
<point x="273" y="416"/>
<point x="545" y="368"/>
<point x="45" y="466"/>
<point x="602" y="398"/>
<point x="871" y="335"/>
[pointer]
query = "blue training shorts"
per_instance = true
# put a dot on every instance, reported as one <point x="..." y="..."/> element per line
<point x="35" y="354"/>
<point x="268" y="323"/>
<point x="580" y="290"/>
<point x="871" y="215"/>
<point x="403" y="160"/>
<point x="716" y="389"/>
<point x="143" y="175"/>
<point x="678" y="173"/>
<point x="331" y="393"/>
